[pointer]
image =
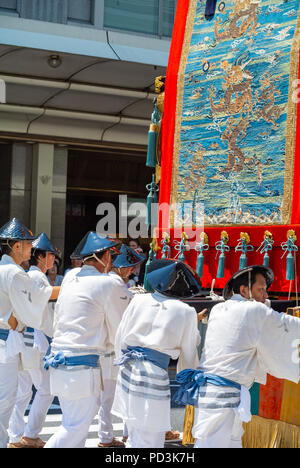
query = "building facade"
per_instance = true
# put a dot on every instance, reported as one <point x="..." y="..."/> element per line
<point x="76" y="98"/>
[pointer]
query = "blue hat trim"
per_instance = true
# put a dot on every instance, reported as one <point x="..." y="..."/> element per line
<point x="43" y="243"/>
<point x="15" y="230"/>
<point x="173" y="278"/>
<point x="94" y="243"/>
<point x="128" y="258"/>
<point x="76" y="253"/>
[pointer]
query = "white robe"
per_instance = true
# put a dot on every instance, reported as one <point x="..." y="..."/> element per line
<point x="109" y="371"/>
<point x="36" y="348"/>
<point x="245" y="340"/>
<point x="19" y="295"/>
<point x="41" y="280"/>
<point x="169" y="326"/>
<point x="88" y="312"/>
<point x="22" y="296"/>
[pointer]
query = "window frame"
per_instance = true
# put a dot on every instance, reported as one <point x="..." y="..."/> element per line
<point x="96" y="18"/>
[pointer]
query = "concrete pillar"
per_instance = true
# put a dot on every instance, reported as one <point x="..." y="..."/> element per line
<point x="42" y="183"/>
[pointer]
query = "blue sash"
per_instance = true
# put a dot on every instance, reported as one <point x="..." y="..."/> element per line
<point x="49" y="339"/>
<point x="59" y="359"/>
<point x="138" y="353"/>
<point x="31" y="330"/>
<point x="191" y="380"/>
<point x="3" y="334"/>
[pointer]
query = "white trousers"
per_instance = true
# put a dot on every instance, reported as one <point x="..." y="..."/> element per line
<point x="78" y="391"/>
<point x="138" y="438"/>
<point x="40" y="378"/>
<point x="217" y="428"/>
<point x="105" y="432"/>
<point x="77" y="418"/>
<point x="8" y="393"/>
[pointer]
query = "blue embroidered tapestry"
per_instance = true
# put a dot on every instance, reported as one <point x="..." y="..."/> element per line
<point x="237" y="130"/>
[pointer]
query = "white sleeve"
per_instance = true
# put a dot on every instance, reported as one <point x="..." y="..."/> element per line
<point x="121" y="331"/>
<point x="277" y="345"/>
<point x="116" y="302"/>
<point x="29" y="299"/>
<point x="188" y="358"/>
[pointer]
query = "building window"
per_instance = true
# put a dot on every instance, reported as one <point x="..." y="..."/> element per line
<point x="153" y="17"/>
<point x="9" y="7"/>
<point x="44" y="10"/>
<point x="168" y="16"/>
<point x="55" y="11"/>
<point x="80" y="11"/>
<point x="149" y="17"/>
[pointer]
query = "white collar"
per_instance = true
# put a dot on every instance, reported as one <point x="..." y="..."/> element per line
<point x="159" y="296"/>
<point x="238" y="297"/>
<point x="8" y="260"/>
<point x="35" y="268"/>
<point x="91" y="269"/>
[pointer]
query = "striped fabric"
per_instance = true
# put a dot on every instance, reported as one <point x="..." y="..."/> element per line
<point x="29" y="337"/>
<point x="213" y="397"/>
<point x="110" y="354"/>
<point x="145" y="382"/>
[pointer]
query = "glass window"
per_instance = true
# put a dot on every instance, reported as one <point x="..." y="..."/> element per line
<point x="168" y="12"/>
<point x="54" y="11"/>
<point x="80" y="10"/>
<point x="132" y="15"/>
<point x="8" y="6"/>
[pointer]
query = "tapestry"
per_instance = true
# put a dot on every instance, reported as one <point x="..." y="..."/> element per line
<point x="277" y="400"/>
<point x="234" y="143"/>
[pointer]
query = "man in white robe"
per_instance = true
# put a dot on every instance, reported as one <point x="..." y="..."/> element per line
<point x="245" y="340"/>
<point x="22" y="304"/>
<point x="87" y="314"/>
<point x="123" y="266"/>
<point x="42" y="258"/>
<point x="154" y="329"/>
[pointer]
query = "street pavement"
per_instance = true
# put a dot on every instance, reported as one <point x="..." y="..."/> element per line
<point x="53" y="422"/>
<point x="54" y="418"/>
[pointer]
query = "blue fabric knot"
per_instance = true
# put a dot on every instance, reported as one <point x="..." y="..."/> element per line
<point x="143" y="354"/>
<point x="59" y="359"/>
<point x="128" y="355"/>
<point x="54" y="360"/>
<point x="188" y="391"/>
<point x="190" y="382"/>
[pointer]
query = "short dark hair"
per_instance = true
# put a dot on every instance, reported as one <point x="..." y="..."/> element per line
<point x="35" y="254"/>
<point x="243" y="280"/>
<point x="5" y="249"/>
